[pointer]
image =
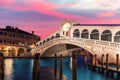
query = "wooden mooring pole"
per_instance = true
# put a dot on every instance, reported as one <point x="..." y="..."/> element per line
<point x="92" y="60"/>
<point x="117" y="61"/>
<point x="102" y="60"/>
<point x="1" y="66"/>
<point x="55" y="67"/>
<point x="102" y="64"/>
<point x="117" y="64"/>
<point x="107" y="63"/>
<point x="61" y="64"/>
<point x="95" y="59"/>
<point x="74" y="75"/>
<point x="36" y="67"/>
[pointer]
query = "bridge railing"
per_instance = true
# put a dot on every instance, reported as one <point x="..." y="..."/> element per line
<point x="80" y="40"/>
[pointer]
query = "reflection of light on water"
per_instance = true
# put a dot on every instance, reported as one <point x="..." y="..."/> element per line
<point x="71" y="63"/>
<point x="8" y="69"/>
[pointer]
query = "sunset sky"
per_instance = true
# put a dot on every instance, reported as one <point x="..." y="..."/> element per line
<point x="45" y="16"/>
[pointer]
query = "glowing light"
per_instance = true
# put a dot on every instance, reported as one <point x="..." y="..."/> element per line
<point x="8" y="69"/>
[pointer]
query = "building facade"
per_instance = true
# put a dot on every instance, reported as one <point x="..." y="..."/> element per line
<point x="102" y="32"/>
<point x="16" y="42"/>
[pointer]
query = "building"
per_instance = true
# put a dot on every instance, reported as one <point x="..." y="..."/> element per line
<point x="16" y="42"/>
<point x="91" y="38"/>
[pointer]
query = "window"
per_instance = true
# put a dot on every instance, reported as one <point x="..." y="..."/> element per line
<point x="117" y="37"/>
<point x="4" y="33"/>
<point x="1" y="41"/>
<point x="1" y="33"/>
<point x="94" y="34"/>
<point x="106" y="35"/>
<point x="4" y="41"/>
<point x="85" y="33"/>
<point x="76" y="33"/>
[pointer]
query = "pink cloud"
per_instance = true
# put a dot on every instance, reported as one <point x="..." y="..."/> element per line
<point x="106" y="14"/>
<point x="44" y="7"/>
<point x="6" y="1"/>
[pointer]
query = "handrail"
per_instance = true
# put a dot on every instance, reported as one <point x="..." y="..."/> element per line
<point x="106" y="43"/>
<point x="79" y="41"/>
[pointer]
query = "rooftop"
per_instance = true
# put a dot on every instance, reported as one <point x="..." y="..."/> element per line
<point x="16" y="30"/>
<point x="96" y="24"/>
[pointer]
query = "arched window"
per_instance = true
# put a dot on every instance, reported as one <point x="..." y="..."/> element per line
<point x="21" y="52"/>
<point x="76" y="33"/>
<point x="106" y="35"/>
<point x="11" y="52"/>
<point x="117" y="37"/>
<point x="40" y="43"/>
<point x="57" y="35"/>
<point x="48" y="39"/>
<point x="94" y="34"/>
<point x="44" y="41"/>
<point x="85" y="33"/>
<point x="52" y="37"/>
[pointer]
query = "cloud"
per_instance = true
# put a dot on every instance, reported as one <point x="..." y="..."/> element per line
<point x="106" y="14"/>
<point x="39" y="15"/>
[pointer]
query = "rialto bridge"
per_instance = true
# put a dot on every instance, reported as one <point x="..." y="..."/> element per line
<point x="94" y="38"/>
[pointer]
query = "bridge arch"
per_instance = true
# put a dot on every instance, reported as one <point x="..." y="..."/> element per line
<point x="62" y="50"/>
<point x="68" y="42"/>
<point x="76" y="33"/>
<point x="106" y="35"/>
<point x="85" y="34"/>
<point x="94" y="34"/>
<point x="117" y="37"/>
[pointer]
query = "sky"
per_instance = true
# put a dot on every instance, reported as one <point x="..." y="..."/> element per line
<point x="45" y="16"/>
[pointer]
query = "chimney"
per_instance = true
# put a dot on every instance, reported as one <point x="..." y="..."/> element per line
<point x="32" y="32"/>
<point x="16" y="29"/>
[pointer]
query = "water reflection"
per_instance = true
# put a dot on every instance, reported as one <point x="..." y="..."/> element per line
<point x="18" y="69"/>
<point x="8" y="69"/>
<point x="21" y="69"/>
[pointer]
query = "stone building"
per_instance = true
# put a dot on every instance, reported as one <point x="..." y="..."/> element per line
<point x="16" y="42"/>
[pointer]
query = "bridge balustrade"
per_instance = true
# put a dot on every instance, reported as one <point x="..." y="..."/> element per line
<point x="79" y="41"/>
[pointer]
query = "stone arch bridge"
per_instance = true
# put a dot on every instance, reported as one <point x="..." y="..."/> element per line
<point x="95" y="38"/>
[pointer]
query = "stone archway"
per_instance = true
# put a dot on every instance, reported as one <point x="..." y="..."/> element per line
<point x="94" y="34"/>
<point x="85" y="34"/>
<point x="21" y="52"/>
<point x="76" y="33"/>
<point x="106" y="35"/>
<point x="11" y="52"/>
<point x="117" y="37"/>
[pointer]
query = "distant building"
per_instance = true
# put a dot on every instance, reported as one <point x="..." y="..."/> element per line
<point x="16" y="42"/>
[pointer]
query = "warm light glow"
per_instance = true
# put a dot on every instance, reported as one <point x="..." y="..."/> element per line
<point x="8" y="69"/>
<point x="32" y="46"/>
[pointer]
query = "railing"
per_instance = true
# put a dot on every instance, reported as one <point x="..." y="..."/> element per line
<point x="79" y="41"/>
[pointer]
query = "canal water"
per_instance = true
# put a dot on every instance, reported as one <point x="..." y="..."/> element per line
<point x="21" y="69"/>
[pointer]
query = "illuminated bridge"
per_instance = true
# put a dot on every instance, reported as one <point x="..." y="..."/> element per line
<point x="94" y="38"/>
